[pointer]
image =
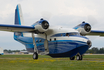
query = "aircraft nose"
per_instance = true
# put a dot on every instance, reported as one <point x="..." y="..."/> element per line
<point x="89" y="43"/>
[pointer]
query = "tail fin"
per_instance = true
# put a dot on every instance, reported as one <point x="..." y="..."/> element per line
<point x="18" y="15"/>
<point x="18" y="20"/>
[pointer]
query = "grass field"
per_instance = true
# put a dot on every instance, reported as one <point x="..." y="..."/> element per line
<point x="25" y="62"/>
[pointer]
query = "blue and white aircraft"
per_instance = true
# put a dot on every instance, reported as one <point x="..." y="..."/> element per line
<point x="55" y="42"/>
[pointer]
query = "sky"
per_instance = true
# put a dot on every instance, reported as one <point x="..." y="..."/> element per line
<point x="59" y="13"/>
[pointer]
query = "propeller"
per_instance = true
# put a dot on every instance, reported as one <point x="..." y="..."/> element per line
<point x="92" y="20"/>
<point x="45" y="24"/>
<point x="87" y="27"/>
<point x="46" y="15"/>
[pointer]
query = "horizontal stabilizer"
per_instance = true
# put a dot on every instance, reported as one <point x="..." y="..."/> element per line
<point x="16" y="28"/>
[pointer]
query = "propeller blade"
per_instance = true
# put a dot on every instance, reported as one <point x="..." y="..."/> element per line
<point x="92" y="20"/>
<point x="46" y="15"/>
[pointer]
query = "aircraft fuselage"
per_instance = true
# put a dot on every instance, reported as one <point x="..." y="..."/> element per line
<point x="61" y="42"/>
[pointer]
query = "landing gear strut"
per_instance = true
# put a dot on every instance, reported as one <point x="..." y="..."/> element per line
<point x="46" y="45"/>
<point x="35" y="54"/>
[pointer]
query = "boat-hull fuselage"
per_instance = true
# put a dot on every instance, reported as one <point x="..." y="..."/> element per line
<point x="58" y="46"/>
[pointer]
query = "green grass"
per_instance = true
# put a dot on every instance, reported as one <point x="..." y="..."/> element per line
<point x="25" y="62"/>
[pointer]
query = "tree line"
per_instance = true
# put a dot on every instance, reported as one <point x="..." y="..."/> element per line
<point x="11" y="51"/>
<point x="93" y="50"/>
<point x="96" y="50"/>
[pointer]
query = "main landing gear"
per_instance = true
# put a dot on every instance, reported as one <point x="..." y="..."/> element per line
<point x="35" y="55"/>
<point x="72" y="58"/>
<point x="78" y="57"/>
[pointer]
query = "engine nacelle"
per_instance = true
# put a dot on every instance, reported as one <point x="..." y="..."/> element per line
<point x="83" y="28"/>
<point x="41" y="26"/>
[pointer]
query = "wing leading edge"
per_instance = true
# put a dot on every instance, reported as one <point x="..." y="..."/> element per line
<point x="16" y="28"/>
<point x="96" y="32"/>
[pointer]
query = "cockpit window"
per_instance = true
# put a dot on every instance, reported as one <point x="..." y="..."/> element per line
<point x="66" y="34"/>
<point x="72" y="34"/>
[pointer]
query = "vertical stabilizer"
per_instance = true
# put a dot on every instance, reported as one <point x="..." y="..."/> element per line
<point x="18" y="16"/>
<point x="18" y="20"/>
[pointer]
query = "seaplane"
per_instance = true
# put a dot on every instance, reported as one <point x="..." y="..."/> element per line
<point x="41" y="38"/>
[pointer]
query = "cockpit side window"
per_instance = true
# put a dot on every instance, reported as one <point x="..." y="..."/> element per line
<point x="72" y="34"/>
<point x="57" y="35"/>
<point x="66" y="34"/>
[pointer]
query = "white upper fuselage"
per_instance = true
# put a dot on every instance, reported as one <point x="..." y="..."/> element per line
<point x="53" y="31"/>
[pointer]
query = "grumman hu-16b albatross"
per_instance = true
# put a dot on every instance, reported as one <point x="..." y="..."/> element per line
<point x="55" y="42"/>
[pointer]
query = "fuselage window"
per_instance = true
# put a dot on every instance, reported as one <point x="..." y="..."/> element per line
<point x="54" y="39"/>
<point x="50" y="39"/>
<point x="36" y="40"/>
<point x="40" y="40"/>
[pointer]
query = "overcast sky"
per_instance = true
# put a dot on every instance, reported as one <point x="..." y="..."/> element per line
<point x="64" y="13"/>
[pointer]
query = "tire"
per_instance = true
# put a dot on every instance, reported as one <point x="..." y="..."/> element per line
<point x="72" y="58"/>
<point x="79" y="57"/>
<point x="35" y="55"/>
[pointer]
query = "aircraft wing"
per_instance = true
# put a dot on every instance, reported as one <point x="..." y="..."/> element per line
<point x="16" y="28"/>
<point x="96" y="32"/>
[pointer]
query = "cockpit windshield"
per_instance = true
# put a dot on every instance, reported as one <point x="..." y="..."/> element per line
<point x="72" y="34"/>
<point x="66" y="34"/>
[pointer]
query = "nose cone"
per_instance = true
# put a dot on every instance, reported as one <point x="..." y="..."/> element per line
<point x="89" y="43"/>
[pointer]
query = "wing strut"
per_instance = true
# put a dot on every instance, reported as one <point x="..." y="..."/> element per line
<point x="35" y="54"/>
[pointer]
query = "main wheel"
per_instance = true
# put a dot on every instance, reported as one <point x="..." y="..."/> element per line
<point x="35" y="55"/>
<point x="72" y="58"/>
<point x="79" y="57"/>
